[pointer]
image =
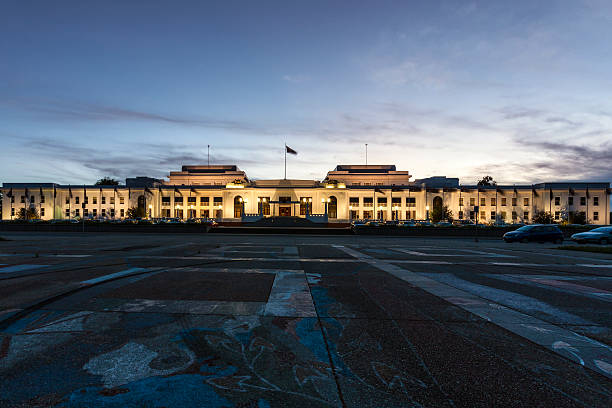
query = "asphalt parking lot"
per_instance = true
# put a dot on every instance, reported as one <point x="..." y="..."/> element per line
<point x="169" y="320"/>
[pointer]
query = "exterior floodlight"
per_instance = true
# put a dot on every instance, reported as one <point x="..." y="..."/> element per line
<point x="427" y="208"/>
<point x="328" y="200"/>
<point x="258" y="199"/>
<point x="322" y="200"/>
<point x="310" y="200"/>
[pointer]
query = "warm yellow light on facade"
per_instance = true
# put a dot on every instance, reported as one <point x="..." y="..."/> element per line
<point x="322" y="200"/>
<point x="426" y="208"/>
<point x="258" y="199"/>
<point x="240" y="199"/>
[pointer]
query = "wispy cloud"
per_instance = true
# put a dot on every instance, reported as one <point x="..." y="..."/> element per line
<point x="298" y="78"/>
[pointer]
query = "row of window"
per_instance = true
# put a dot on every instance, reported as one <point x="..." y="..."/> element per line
<point x="205" y="201"/>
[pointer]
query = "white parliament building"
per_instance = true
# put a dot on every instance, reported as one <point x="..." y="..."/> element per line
<point x="349" y="192"/>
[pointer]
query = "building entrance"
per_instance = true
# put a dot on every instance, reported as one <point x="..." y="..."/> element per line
<point x="284" y="211"/>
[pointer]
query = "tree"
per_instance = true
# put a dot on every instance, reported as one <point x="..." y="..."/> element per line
<point x="441" y="214"/>
<point x="578" y="217"/>
<point x="135" y="212"/>
<point x="487" y="181"/>
<point x="29" y="214"/>
<point x="543" y="217"/>
<point x="107" y="181"/>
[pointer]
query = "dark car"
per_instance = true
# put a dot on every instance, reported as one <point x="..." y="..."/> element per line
<point x="601" y="235"/>
<point x="535" y="232"/>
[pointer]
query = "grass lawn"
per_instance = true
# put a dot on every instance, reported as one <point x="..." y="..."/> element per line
<point x="599" y="249"/>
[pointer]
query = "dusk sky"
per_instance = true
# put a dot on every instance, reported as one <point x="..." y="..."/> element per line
<point x="518" y="90"/>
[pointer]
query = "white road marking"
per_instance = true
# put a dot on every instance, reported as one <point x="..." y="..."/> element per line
<point x="112" y="276"/>
<point x="20" y="268"/>
<point x="566" y="343"/>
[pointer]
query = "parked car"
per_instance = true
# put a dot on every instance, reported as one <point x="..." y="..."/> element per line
<point x="601" y="235"/>
<point x="535" y="233"/>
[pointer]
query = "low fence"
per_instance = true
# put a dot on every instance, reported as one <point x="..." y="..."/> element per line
<point x="467" y="231"/>
<point x="103" y="227"/>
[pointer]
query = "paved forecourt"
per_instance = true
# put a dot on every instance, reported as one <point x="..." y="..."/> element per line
<point x="241" y="320"/>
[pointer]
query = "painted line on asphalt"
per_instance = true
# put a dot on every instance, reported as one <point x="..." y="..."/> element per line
<point x="20" y="268"/>
<point x="594" y="266"/>
<point x="580" y="349"/>
<point x="290" y="296"/>
<point x="112" y="276"/>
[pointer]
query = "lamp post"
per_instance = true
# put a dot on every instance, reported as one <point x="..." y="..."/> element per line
<point x="427" y="213"/>
<point x="150" y="211"/>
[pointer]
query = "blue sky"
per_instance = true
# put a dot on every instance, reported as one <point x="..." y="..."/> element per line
<point x="518" y="90"/>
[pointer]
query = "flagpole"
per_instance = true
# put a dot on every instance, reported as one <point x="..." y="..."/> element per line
<point x="285" y="160"/>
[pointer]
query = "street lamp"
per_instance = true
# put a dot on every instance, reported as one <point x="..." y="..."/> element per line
<point x="150" y="210"/>
<point x="427" y="212"/>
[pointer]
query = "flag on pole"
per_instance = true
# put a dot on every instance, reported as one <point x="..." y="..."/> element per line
<point x="378" y="190"/>
<point x="70" y="191"/>
<point x="10" y="193"/>
<point x="587" y="193"/>
<point x="290" y="150"/>
<point x="550" y="194"/>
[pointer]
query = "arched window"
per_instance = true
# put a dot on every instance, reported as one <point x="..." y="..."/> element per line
<point x="332" y="211"/>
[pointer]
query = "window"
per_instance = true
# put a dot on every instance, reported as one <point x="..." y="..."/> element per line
<point x="582" y="200"/>
<point x="483" y="215"/>
<point x="503" y="201"/>
<point x="472" y="215"/>
<point x="95" y="200"/>
<point x="95" y="212"/>
<point x="557" y="215"/>
<point x="460" y="215"/>
<point x="67" y="213"/>
<point x="178" y="200"/>
<point x="121" y="201"/>
<point x="13" y="200"/>
<point x="410" y="201"/>
<point x="353" y="215"/>
<point x="32" y="199"/>
<point x="112" y="200"/>
<point x="85" y="212"/>
<point x="86" y="200"/>
<point x="595" y="216"/>
<point x="570" y="200"/>
<point x="78" y="213"/>
<point x="263" y="205"/>
<point x="502" y="215"/>
<point x="306" y="205"/>
<point x="166" y="212"/>
<point x="76" y="199"/>
<point x="42" y="199"/>
<point x="483" y="202"/>
<point x="472" y="201"/>
<point x="526" y="201"/>
<point x="13" y="212"/>
<point x="460" y="201"/>
<point x="204" y="201"/>
<point x="514" y="216"/>
<point x="42" y="211"/>
<point x="104" y="212"/>
<point x="217" y="201"/>
<point x="204" y="213"/>
<point x="595" y="200"/>
<point x="382" y="201"/>
<point x="22" y="199"/>
<point x="493" y="202"/>
<point x="557" y="200"/>
<point x="219" y="214"/>
<point x="165" y="200"/>
<point x="367" y="215"/>
<point x="396" y="201"/>
<point x="67" y="200"/>
<point x="526" y="215"/>
<point x="492" y="215"/>
<point x="514" y="201"/>
<point x="112" y="212"/>
<point x="103" y="200"/>
<point x="369" y="202"/>
<point x="191" y="200"/>
<point x="122" y="213"/>
<point x="353" y="201"/>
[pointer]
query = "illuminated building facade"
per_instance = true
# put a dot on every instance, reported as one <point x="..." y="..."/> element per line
<point x="349" y="192"/>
